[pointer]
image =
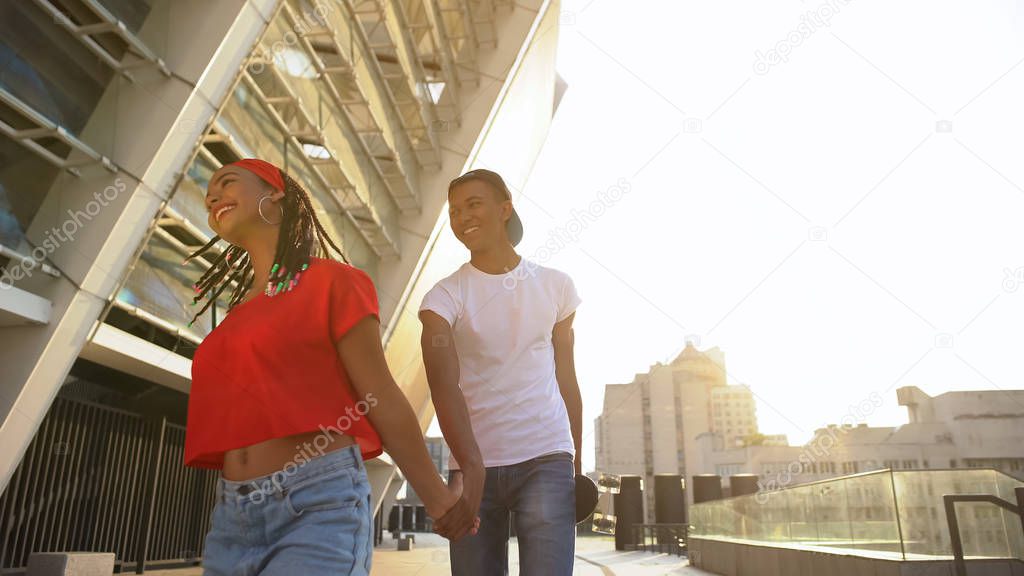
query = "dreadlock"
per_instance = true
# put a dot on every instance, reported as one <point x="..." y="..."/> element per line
<point x="301" y="238"/>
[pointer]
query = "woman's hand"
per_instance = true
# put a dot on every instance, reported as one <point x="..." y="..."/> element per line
<point x="453" y="518"/>
<point x="448" y="499"/>
<point x="392" y="416"/>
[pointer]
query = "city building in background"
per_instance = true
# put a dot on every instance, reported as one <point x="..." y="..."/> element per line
<point x="114" y="114"/>
<point x="682" y="418"/>
<point x="976" y="429"/>
<point x="439" y="453"/>
<point x="665" y="411"/>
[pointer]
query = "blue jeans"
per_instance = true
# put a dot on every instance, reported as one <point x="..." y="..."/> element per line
<point x="314" y="520"/>
<point x="542" y="493"/>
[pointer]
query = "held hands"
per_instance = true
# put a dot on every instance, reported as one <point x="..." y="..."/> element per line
<point x="460" y="506"/>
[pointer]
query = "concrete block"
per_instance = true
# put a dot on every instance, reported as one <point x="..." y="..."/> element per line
<point x="885" y="567"/>
<point x="760" y="561"/>
<point x="743" y="554"/>
<point x="927" y="568"/>
<point x="695" y="552"/>
<point x="855" y="566"/>
<point x="796" y="563"/>
<point x="70" y="564"/>
<point x="825" y="563"/>
<point x="988" y="568"/>
<point x="728" y="554"/>
<point x="713" y="556"/>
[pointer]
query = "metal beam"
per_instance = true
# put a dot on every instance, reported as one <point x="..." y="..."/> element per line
<point x="157" y="321"/>
<point x="46" y="128"/>
<point x="360" y="213"/>
<point x="471" y="43"/>
<point x="372" y="18"/>
<point x="448" y="67"/>
<point x="108" y="24"/>
<point x="26" y="260"/>
<point x="386" y="159"/>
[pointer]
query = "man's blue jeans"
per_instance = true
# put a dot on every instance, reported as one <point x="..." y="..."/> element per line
<point x="542" y="493"/>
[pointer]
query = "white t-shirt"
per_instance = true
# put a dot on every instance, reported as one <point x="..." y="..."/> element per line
<point x="502" y="325"/>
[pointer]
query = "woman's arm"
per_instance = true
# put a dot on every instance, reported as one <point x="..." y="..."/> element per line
<point x="363" y="357"/>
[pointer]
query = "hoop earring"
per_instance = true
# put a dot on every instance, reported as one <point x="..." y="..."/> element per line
<point x="259" y="208"/>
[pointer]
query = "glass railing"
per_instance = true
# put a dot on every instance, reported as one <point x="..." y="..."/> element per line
<point x="894" y="514"/>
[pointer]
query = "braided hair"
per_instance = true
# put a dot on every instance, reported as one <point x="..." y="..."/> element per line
<point x="301" y="238"/>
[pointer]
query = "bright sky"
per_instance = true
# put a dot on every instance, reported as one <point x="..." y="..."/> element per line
<point x="841" y="220"/>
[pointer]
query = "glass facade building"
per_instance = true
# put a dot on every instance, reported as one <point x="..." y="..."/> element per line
<point x="113" y="116"/>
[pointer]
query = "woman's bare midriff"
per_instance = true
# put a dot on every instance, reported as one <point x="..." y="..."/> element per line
<point x="272" y="455"/>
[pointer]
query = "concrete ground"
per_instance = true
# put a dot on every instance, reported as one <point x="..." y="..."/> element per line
<point x="595" y="556"/>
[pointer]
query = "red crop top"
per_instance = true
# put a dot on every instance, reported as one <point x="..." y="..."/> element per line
<point x="271" y="368"/>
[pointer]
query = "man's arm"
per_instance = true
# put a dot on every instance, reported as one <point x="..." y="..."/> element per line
<point x="441" y="361"/>
<point x="565" y="373"/>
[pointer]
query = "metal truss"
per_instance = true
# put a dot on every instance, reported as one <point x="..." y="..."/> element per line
<point x="385" y="36"/>
<point x="34" y="129"/>
<point x="296" y="124"/>
<point x="442" y="59"/>
<point x="336" y="73"/>
<point x="135" y="53"/>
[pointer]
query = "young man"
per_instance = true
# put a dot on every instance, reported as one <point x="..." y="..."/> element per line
<point x="498" y="350"/>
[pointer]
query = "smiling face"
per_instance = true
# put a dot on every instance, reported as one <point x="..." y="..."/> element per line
<point x="477" y="215"/>
<point x="232" y="204"/>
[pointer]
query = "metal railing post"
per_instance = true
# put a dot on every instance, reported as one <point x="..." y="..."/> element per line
<point x="950" y="500"/>
<point x="1019" y="491"/>
<point x="146" y="520"/>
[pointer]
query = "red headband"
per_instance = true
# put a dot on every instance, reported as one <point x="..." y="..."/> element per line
<point x="268" y="172"/>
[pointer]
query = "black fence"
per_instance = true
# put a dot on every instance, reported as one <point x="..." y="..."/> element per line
<point x="101" y="479"/>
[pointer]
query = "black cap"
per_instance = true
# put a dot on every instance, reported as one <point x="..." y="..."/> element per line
<point x="514" y="226"/>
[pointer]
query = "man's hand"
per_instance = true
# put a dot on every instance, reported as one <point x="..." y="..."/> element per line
<point x="471" y="479"/>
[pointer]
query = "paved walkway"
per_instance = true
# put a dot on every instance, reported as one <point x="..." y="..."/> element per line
<point x="595" y="556"/>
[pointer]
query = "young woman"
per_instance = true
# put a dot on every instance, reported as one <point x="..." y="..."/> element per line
<point x="291" y="392"/>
